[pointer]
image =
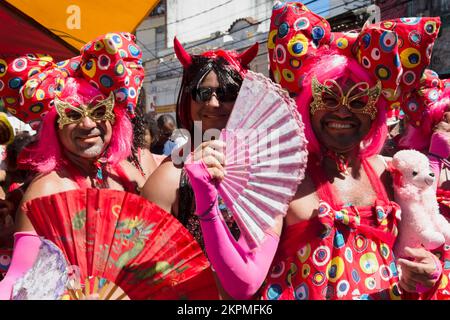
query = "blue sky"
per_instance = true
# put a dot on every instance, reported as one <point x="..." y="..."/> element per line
<point x="318" y="6"/>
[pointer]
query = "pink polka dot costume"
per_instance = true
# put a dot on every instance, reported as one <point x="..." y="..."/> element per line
<point x="345" y="251"/>
<point x="420" y="103"/>
<point x="394" y="51"/>
<point x="110" y="62"/>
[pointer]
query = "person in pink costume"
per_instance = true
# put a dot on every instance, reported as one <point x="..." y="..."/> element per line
<point x="427" y="129"/>
<point x="85" y="134"/>
<point x="337" y="237"/>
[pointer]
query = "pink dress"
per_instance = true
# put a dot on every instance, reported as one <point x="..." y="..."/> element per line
<point x="345" y="252"/>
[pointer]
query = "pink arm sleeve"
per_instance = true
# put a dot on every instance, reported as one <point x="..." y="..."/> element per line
<point x="26" y="248"/>
<point x="240" y="270"/>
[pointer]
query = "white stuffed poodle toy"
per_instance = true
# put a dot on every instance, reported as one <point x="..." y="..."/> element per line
<point x="420" y="222"/>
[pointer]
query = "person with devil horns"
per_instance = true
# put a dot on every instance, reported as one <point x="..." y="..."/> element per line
<point x="85" y="134"/>
<point x="209" y="88"/>
<point x="336" y="240"/>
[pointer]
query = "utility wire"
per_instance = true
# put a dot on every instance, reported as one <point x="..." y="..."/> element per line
<point x="209" y="40"/>
<point x="179" y="35"/>
<point x="178" y="69"/>
<point x="190" y="17"/>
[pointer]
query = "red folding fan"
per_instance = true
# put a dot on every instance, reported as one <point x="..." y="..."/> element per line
<point x="125" y="239"/>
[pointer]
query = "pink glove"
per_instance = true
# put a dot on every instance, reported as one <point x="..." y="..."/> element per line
<point x="26" y="249"/>
<point x="240" y="270"/>
<point x="202" y="184"/>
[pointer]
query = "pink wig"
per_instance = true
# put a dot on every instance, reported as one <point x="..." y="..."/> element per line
<point x="46" y="154"/>
<point x="338" y="67"/>
<point x="418" y="138"/>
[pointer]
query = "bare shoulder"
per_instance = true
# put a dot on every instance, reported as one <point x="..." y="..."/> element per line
<point x="129" y="168"/>
<point x="133" y="173"/>
<point x="148" y="162"/>
<point x="380" y="165"/>
<point x="162" y="186"/>
<point x="47" y="184"/>
<point x="41" y="186"/>
<point x="305" y="202"/>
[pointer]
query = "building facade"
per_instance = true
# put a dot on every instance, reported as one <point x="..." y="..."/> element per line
<point x="237" y="24"/>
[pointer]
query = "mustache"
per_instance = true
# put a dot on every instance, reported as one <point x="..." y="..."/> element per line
<point x="93" y="131"/>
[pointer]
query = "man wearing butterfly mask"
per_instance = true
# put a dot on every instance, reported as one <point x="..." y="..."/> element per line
<point x="209" y="88"/>
<point x="85" y="134"/>
<point x="338" y="235"/>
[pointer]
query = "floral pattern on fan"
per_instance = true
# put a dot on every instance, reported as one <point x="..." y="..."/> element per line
<point x="130" y="235"/>
<point x="265" y="156"/>
<point x="50" y="268"/>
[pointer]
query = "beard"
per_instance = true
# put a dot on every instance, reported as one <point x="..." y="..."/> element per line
<point x="93" y="151"/>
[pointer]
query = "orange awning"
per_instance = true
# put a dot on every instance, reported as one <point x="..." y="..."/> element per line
<point x="21" y="35"/>
<point x="79" y="21"/>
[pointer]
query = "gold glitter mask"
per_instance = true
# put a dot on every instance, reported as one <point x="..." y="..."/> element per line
<point x="359" y="99"/>
<point x="102" y="111"/>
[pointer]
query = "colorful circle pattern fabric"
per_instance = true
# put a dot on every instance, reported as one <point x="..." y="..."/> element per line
<point x="14" y="73"/>
<point x="419" y="103"/>
<point x="298" y="37"/>
<point x="111" y="62"/>
<point x="362" y="268"/>
<point x="5" y="261"/>
<point x="393" y="51"/>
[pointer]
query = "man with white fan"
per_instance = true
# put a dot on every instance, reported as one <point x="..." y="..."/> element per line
<point x="210" y="85"/>
<point x="337" y="236"/>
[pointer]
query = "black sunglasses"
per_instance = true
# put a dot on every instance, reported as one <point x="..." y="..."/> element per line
<point x="204" y="94"/>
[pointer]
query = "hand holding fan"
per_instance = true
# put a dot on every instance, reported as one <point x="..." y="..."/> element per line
<point x="265" y="156"/>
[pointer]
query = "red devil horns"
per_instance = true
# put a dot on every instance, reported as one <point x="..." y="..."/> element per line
<point x="182" y="55"/>
<point x="248" y="55"/>
<point x="186" y="60"/>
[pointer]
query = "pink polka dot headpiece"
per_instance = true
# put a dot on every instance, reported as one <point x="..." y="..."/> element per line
<point x="109" y="63"/>
<point x="396" y="52"/>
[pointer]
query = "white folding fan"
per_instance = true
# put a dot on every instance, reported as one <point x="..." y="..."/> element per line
<point x="265" y="156"/>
